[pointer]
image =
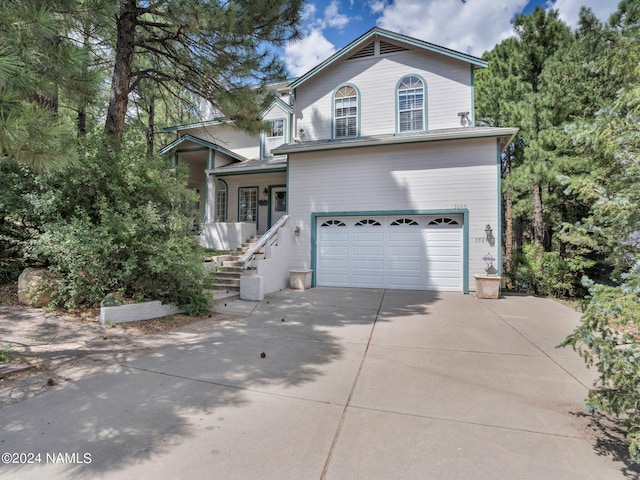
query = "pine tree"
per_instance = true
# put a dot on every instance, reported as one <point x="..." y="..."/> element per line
<point x="219" y="51"/>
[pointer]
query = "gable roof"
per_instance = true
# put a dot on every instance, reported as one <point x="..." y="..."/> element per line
<point x="280" y="103"/>
<point x="397" y="37"/>
<point x="204" y="143"/>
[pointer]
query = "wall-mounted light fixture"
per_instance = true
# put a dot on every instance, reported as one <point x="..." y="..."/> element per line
<point x="265" y="192"/>
<point x="297" y="231"/>
<point x="488" y="232"/>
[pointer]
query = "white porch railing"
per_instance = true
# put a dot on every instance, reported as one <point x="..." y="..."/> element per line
<point x="270" y="238"/>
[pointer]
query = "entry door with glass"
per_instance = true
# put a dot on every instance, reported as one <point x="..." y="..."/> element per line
<point x="278" y="203"/>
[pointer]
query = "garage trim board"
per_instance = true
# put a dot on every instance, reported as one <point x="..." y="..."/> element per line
<point x="373" y="249"/>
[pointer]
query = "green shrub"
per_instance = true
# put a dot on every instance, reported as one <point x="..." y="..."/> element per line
<point x="5" y="356"/>
<point x="609" y="338"/>
<point x="548" y="273"/>
<point x="117" y="223"/>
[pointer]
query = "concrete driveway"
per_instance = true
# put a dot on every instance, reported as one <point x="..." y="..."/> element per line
<point x="354" y="383"/>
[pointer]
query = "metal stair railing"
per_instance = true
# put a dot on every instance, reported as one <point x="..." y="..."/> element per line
<point x="269" y="238"/>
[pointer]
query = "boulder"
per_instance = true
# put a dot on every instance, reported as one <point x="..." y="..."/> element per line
<point x="35" y="287"/>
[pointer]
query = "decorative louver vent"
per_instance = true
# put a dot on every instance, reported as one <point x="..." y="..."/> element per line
<point x="390" y="48"/>
<point x="366" y="51"/>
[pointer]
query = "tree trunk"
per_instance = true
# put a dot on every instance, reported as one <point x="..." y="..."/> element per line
<point x="508" y="237"/>
<point x="81" y="121"/>
<point x="119" y="99"/>
<point x="538" y="224"/>
<point x="151" y="126"/>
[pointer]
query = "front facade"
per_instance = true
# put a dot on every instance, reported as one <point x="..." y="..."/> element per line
<point x="376" y="160"/>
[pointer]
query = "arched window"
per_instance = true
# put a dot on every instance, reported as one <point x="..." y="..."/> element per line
<point x="221" y="201"/>
<point x="411" y="104"/>
<point x="345" y="111"/>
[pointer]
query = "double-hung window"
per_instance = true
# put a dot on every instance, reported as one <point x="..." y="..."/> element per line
<point x="248" y="204"/>
<point x="411" y="104"/>
<point x="274" y="137"/>
<point x="345" y="112"/>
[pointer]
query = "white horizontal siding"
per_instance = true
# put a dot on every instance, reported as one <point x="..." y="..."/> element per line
<point x="434" y="176"/>
<point x="448" y="92"/>
<point x="231" y="138"/>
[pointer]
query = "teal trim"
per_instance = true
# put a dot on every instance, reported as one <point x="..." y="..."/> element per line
<point x="257" y="206"/>
<point x="333" y="111"/>
<point x="425" y="126"/>
<point x="196" y="125"/>
<point x="271" y="187"/>
<point x="206" y="198"/>
<point x="499" y="226"/>
<point x="253" y="172"/>
<point x="175" y="159"/>
<point x="287" y="183"/>
<point x="473" y="97"/>
<point x="376" y="31"/>
<point x="280" y="103"/>
<point x="453" y="211"/>
<point x="202" y="143"/>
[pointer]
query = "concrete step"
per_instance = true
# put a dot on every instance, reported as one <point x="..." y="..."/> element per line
<point x="232" y="264"/>
<point x="224" y="276"/>
<point x="225" y="288"/>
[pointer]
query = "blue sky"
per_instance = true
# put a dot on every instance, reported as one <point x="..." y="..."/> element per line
<point x="470" y="26"/>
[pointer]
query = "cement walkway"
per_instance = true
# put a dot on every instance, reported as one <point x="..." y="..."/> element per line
<point x="353" y="384"/>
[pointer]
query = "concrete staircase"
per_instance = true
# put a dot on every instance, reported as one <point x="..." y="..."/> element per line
<point x="227" y="276"/>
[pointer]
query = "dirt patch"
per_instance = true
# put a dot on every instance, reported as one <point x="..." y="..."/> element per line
<point x="157" y="325"/>
<point x="9" y="294"/>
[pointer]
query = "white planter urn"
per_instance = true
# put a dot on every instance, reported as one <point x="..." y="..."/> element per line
<point x="488" y="286"/>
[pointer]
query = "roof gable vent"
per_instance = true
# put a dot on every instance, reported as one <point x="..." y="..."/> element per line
<point x="386" y="47"/>
<point x="366" y="51"/>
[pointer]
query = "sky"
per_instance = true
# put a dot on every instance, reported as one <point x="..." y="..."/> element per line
<point x="470" y="26"/>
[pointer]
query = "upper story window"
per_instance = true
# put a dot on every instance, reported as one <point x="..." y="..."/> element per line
<point x="274" y="137"/>
<point x="345" y="112"/>
<point x="411" y="104"/>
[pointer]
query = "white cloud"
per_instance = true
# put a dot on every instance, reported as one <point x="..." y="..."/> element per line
<point x="303" y="55"/>
<point x="333" y="18"/>
<point x="308" y="12"/>
<point x="471" y="26"/>
<point x="474" y="26"/>
<point x="376" y="6"/>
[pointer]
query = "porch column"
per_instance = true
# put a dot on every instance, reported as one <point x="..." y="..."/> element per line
<point x="210" y="205"/>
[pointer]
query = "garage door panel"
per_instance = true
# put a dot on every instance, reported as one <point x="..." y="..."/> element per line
<point x="327" y="280"/>
<point x="368" y="237"/>
<point x="403" y="256"/>
<point x="336" y="235"/>
<point x="413" y="251"/>
<point x="395" y="264"/>
<point x="405" y="281"/>
<point x="368" y="251"/>
<point x="368" y="264"/>
<point x="437" y="251"/>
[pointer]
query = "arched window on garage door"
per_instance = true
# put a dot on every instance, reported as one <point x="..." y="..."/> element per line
<point x="444" y="221"/>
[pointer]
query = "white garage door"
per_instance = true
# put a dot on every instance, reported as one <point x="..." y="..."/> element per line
<point x="401" y="252"/>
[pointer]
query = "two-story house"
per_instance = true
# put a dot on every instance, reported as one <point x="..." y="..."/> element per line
<point x="376" y="161"/>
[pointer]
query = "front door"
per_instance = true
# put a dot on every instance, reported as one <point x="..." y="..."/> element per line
<point x="278" y="204"/>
